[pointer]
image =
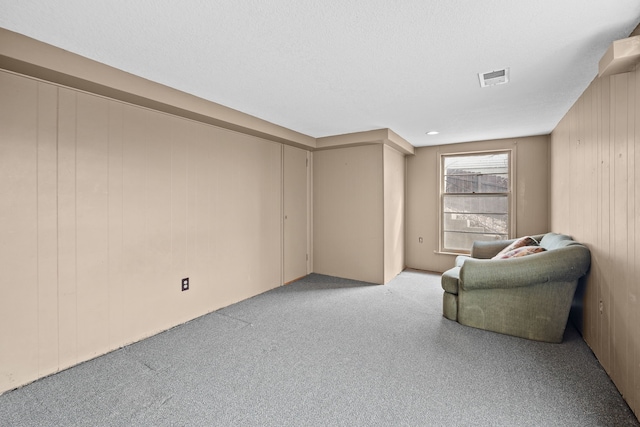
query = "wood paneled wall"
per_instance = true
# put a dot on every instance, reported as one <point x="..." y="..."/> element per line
<point x="595" y="197"/>
<point x="105" y="207"/>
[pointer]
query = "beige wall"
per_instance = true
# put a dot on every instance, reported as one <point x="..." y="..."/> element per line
<point x="595" y="197"/>
<point x="394" y="192"/>
<point x="105" y="207"/>
<point x="296" y="208"/>
<point x="358" y="219"/>
<point x="114" y="188"/>
<point x="348" y="213"/>
<point x="422" y="216"/>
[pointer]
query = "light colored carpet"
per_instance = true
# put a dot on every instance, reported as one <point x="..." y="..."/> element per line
<point x="329" y="352"/>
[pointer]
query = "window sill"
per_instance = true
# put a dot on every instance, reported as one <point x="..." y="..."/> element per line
<point x="451" y="253"/>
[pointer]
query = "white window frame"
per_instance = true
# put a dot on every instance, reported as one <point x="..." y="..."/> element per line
<point x="511" y="198"/>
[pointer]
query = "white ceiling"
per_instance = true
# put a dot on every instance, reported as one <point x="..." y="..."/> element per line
<point x="332" y="67"/>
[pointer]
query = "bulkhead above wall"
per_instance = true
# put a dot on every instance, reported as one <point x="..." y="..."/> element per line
<point x="29" y="57"/>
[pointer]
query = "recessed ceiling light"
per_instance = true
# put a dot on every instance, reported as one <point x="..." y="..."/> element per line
<point x="433" y="132"/>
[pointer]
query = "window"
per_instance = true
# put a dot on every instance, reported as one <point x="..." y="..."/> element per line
<point x="475" y="199"/>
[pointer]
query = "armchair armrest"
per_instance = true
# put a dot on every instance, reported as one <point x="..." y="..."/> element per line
<point x="559" y="265"/>
<point x="460" y="259"/>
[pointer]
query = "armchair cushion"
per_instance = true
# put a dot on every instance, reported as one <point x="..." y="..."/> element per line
<point x="516" y="244"/>
<point x="489" y="249"/>
<point x="518" y="252"/>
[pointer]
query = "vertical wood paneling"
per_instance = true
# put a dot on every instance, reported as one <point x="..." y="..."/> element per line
<point x="295" y="213"/>
<point x="586" y="172"/>
<point x="136" y="267"/>
<point x="199" y="201"/>
<point x="19" y="230"/>
<point x="180" y="135"/>
<point x="598" y="257"/>
<point x="632" y="307"/>
<point x="581" y="165"/>
<point x="569" y="204"/>
<point x="92" y="183"/>
<point x="601" y="191"/>
<point x="158" y="284"/>
<point x="47" y="229"/>
<point x="619" y="298"/>
<point x="394" y="202"/>
<point x="224" y="180"/>
<point x="266" y="214"/>
<point x="635" y="284"/>
<point x="605" y="232"/>
<point x="559" y="188"/>
<point x="67" y="261"/>
<point x="105" y="206"/>
<point x="193" y="218"/>
<point x="211" y="198"/>
<point x="200" y="198"/>
<point x="115" y="228"/>
<point x="591" y="328"/>
<point x="348" y="216"/>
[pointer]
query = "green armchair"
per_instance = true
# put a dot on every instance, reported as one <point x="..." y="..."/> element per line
<point x="525" y="296"/>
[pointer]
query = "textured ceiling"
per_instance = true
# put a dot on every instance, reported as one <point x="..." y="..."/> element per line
<point x="332" y="67"/>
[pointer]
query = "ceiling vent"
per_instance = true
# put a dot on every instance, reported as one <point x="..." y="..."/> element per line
<point x="493" y="78"/>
